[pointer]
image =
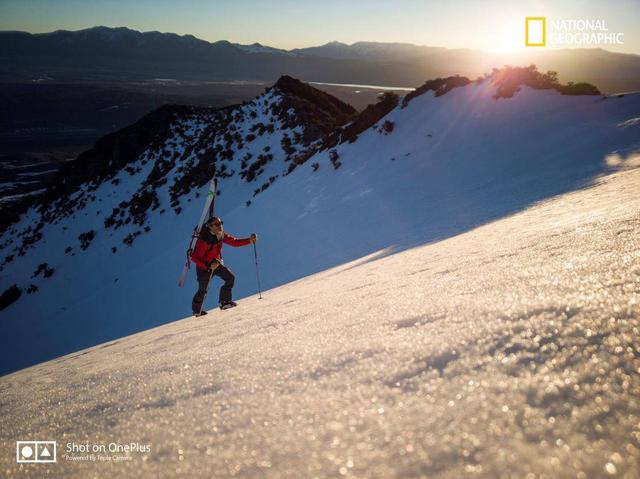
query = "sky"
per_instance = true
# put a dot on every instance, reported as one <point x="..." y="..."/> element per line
<point x="480" y="24"/>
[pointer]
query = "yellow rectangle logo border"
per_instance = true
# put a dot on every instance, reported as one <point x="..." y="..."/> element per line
<point x="544" y="32"/>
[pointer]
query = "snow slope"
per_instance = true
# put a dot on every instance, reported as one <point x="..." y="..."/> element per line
<point x="451" y="163"/>
<point x="507" y="351"/>
<point x="116" y="273"/>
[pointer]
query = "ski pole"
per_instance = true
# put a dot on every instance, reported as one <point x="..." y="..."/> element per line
<point x="255" y="254"/>
<point x="205" y="293"/>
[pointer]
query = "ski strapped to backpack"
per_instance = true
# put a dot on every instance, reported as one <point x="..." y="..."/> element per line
<point x="207" y="213"/>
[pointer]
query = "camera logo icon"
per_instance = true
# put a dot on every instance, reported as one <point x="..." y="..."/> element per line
<point x="35" y="451"/>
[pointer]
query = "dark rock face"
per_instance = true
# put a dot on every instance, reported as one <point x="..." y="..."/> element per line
<point x="318" y="112"/>
<point x="9" y="296"/>
<point x="115" y="151"/>
<point x="44" y="268"/>
<point x="510" y="79"/>
<point x="440" y="86"/>
<point x="366" y="119"/>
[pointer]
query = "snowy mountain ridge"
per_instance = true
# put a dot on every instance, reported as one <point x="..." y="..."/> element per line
<point x="259" y="48"/>
<point x="320" y="185"/>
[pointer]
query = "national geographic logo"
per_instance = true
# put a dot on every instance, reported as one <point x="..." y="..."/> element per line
<point x="579" y="32"/>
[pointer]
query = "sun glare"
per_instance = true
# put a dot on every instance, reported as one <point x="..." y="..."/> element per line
<point x="508" y="38"/>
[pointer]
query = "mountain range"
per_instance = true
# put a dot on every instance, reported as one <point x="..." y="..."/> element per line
<point x="103" y="53"/>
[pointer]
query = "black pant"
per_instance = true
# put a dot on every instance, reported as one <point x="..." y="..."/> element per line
<point x="203" y="282"/>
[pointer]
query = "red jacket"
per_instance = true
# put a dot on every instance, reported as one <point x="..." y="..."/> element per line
<point x="208" y="247"/>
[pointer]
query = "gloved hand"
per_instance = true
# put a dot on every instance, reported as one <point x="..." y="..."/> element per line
<point x="254" y="237"/>
<point x="214" y="264"/>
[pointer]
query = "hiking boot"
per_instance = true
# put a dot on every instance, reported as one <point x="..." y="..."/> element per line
<point x="228" y="304"/>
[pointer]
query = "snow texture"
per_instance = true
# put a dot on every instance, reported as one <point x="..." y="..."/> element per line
<point x="510" y="350"/>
